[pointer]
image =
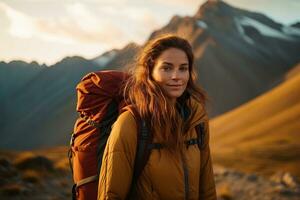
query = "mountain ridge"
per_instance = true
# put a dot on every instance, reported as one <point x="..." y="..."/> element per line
<point x="236" y="59"/>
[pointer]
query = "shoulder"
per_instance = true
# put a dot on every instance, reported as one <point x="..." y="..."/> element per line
<point x="124" y="132"/>
<point x="126" y="118"/>
<point x="197" y="109"/>
<point x="125" y="122"/>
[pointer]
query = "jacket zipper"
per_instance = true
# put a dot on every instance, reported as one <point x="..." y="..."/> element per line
<point x="186" y="178"/>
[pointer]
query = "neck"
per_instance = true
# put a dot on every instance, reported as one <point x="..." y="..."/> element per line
<point x="173" y="101"/>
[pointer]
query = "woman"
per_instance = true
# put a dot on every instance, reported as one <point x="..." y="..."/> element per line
<point x="162" y="82"/>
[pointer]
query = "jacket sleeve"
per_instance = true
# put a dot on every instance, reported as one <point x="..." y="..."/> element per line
<point x="118" y="159"/>
<point x="207" y="184"/>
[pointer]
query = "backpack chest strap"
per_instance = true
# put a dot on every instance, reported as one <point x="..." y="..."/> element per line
<point x="188" y="143"/>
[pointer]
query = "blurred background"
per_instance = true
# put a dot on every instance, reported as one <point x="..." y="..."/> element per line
<point x="247" y="57"/>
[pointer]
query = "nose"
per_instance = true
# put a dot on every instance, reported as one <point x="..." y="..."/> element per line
<point x="175" y="75"/>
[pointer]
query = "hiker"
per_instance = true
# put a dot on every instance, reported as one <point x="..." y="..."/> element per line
<point x="162" y="91"/>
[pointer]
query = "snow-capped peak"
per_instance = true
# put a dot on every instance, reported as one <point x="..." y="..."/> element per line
<point x="201" y="24"/>
<point x="291" y="30"/>
<point x="262" y="28"/>
<point x="105" y="58"/>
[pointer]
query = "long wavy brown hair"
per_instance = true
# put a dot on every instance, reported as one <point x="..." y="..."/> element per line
<point x="149" y="99"/>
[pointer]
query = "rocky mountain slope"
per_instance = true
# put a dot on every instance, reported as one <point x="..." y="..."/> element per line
<point x="239" y="55"/>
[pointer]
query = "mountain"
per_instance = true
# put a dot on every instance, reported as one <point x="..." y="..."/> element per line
<point x="238" y="56"/>
<point x="39" y="101"/>
<point x="125" y="57"/>
<point x="118" y="58"/>
<point x="261" y="135"/>
<point x="296" y="25"/>
<point x="293" y="72"/>
<point x="105" y="58"/>
<point x="12" y="80"/>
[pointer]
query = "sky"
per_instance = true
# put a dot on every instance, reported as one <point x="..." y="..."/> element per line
<point x="46" y="31"/>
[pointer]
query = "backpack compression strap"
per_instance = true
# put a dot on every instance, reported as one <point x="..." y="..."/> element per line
<point x="104" y="128"/>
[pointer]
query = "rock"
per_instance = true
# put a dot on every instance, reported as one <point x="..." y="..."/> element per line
<point x="4" y="163"/>
<point x="236" y="174"/>
<point x="284" y="178"/>
<point x="7" y="171"/>
<point x="289" y="180"/>
<point x="283" y="190"/>
<point x="251" y="177"/>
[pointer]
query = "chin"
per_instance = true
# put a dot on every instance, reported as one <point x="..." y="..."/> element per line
<point x="175" y="96"/>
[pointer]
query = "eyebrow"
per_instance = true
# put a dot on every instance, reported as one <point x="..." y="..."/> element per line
<point x="167" y="63"/>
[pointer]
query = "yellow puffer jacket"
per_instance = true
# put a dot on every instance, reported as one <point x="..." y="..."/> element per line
<point x="166" y="175"/>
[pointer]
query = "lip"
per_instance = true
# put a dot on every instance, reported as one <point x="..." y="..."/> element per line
<point x="175" y="86"/>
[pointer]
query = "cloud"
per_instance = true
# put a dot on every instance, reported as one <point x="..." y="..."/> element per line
<point x="66" y="28"/>
<point x="20" y="25"/>
<point x="136" y="22"/>
<point x="108" y="23"/>
<point x="25" y="27"/>
<point x="82" y="26"/>
<point x="79" y="25"/>
<point x="190" y="3"/>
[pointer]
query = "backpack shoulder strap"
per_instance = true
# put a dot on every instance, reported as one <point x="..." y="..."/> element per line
<point x="200" y="129"/>
<point x="144" y="140"/>
<point x="201" y="136"/>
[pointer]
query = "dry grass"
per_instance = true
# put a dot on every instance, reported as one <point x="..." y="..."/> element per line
<point x="262" y="135"/>
<point x="12" y="189"/>
<point x="31" y="161"/>
<point x="32" y="176"/>
<point x="38" y="174"/>
<point x="224" y="192"/>
<point x="58" y="155"/>
<point x="63" y="165"/>
<point x="293" y="72"/>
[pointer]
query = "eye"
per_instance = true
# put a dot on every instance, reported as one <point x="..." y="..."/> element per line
<point x="183" y="68"/>
<point x="166" y="68"/>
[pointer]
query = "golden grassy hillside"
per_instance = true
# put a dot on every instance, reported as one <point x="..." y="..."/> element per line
<point x="293" y="72"/>
<point x="262" y="135"/>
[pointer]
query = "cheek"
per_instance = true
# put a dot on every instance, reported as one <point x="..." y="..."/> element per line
<point x="157" y="76"/>
<point x="187" y="77"/>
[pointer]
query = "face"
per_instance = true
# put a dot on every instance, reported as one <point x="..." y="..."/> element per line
<point x="171" y="72"/>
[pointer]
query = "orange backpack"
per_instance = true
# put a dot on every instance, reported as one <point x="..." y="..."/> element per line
<point x="99" y="103"/>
